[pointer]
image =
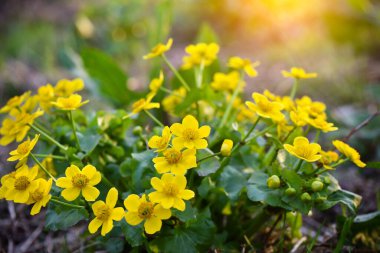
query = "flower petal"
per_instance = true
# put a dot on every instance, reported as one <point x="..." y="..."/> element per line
<point x="133" y="218"/>
<point x="72" y="171"/>
<point x="89" y="170"/>
<point x="117" y="213"/>
<point x="187" y="194"/>
<point x="107" y="227"/>
<point x="152" y="225"/>
<point x="204" y="131"/>
<point x="200" y="144"/>
<point x="70" y="194"/>
<point x="190" y="122"/>
<point x="179" y="204"/>
<point x="94" y="225"/>
<point x="180" y="181"/>
<point x="90" y="193"/>
<point x="112" y="197"/>
<point x="132" y="203"/>
<point x="161" y="212"/>
<point x="176" y="129"/>
<point x="156" y="184"/>
<point x="64" y="182"/>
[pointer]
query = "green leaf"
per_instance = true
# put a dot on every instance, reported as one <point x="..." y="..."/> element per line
<point x="208" y="167"/>
<point x="233" y="181"/>
<point x="189" y="213"/>
<point x="292" y="178"/>
<point x="373" y="165"/>
<point x="88" y="140"/>
<point x="60" y="217"/>
<point x="349" y="199"/>
<point x="133" y="234"/>
<point x="206" y="185"/>
<point x="115" y="245"/>
<point x="366" y="221"/>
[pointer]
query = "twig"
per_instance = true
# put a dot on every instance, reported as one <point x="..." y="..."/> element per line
<point x="31" y="238"/>
<point x="298" y="244"/>
<point x="360" y="126"/>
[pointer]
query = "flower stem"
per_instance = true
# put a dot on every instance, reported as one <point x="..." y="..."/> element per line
<point x="172" y="68"/>
<point x="154" y="118"/>
<point x="199" y="74"/>
<point x="208" y="157"/>
<point x="53" y="199"/>
<point x="42" y="167"/>
<point x="170" y="92"/>
<point x="70" y="114"/>
<point x="294" y="89"/>
<point x="298" y="165"/>
<point x="58" y="157"/>
<point x="51" y="139"/>
<point x="316" y="138"/>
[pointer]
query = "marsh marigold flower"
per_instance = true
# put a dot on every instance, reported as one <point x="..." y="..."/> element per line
<point x="46" y="95"/>
<point x="200" y="53"/>
<point x="23" y="150"/>
<point x="105" y="213"/>
<point x="159" y="49"/>
<point x="160" y="142"/>
<point x="328" y="157"/>
<point x="170" y="191"/>
<point x="349" y="152"/>
<point x="189" y="134"/>
<point x="3" y="187"/>
<point x="170" y="102"/>
<point x="226" y="82"/>
<point x="265" y="108"/>
<point x="77" y="181"/>
<point x="66" y="88"/>
<point x="156" y="83"/>
<point x="304" y="150"/>
<point x="244" y="64"/>
<point x="20" y="186"/>
<point x="139" y="210"/>
<point x="226" y="147"/>
<point x="14" y="102"/>
<point x="40" y="195"/>
<point x="70" y="103"/>
<point x="298" y="73"/>
<point x="175" y="161"/>
<point x="321" y="124"/>
<point x="145" y="104"/>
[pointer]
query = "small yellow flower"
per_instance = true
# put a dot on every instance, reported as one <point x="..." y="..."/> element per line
<point x="23" y="150"/>
<point x="244" y="64"/>
<point x="40" y="196"/>
<point x="189" y="134"/>
<point x="14" y="102"/>
<point x="304" y="150"/>
<point x="322" y="124"/>
<point x="226" y="82"/>
<point x="139" y="209"/>
<point x="3" y="187"/>
<point x="145" y="104"/>
<point x="20" y="186"/>
<point x="159" y="49"/>
<point x="170" y="102"/>
<point x="298" y="73"/>
<point x="66" y="88"/>
<point x="328" y="157"/>
<point x="46" y="95"/>
<point x="226" y="147"/>
<point x="49" y="166"/>
<point x="175" y="161"/>
<point x="200" y="53"/>
<point x="299" y="117"/>
<point x="160" y="142"/>
<point x="71" y="103"/>
<point x="77" y="181"/>
<point x="265" y="108"/>
<point x="156" y="83"/>
<point x="170" y="191"/>
<point x="349" y="152"/>
<point x="105" y="213"/>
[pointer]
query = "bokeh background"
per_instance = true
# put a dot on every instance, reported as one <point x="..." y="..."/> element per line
<point x="41" y="41"/>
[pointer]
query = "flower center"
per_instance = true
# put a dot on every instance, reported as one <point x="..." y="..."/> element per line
<point x="171" y="189"/>
<point x="23" y="148"/>
<point x="37" y="195"/>
<point x="172" y="156"/>
<point x="145" y="210"/>
<point x="103" y="212"/>
<point x="190" y="134"/>
<point x="21" y="183"/>
<point x="80" y="180"/>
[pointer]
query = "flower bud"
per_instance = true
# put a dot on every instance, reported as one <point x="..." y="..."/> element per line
<point x="290" y="191"/>
<point x="137" y="130"/>
<point x="320" y="199"/>
<point x="327" y="180"/>
<point x="140" y="145"/>
<point x="317" y="186"/>
<point x="274" y="182"/>
<point x="226" y="147"/>
<point x="305" y="197"/>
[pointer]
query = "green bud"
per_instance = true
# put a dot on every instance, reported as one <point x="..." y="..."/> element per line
<point x="137" y="130"/>
<point x="327" y="180"/>
<point x="320" y="199"/>
<point x="140" y="145"/>
<point x="274" y="182"/>
<point x="305" y="197"/>
<point x="290" y="191"/>
<point x="317" y="186"/>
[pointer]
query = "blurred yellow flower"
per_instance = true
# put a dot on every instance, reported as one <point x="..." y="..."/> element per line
<point x="170" y="191"/>
<point x="20" y="186"/>
<point x="170" y="102"/>
<point x="349" y="152"/>
<point x="48" y="164"/>
<point x="159" y="49"/>
<point x="328" y="157"/>
<point x="189" y="134"/>
<point x="160" y="142"/>
<point x="298" y="73"/>
<point x="226" y="147"/>
<point x="3" y="187"/>
<point x="304" y="150"/>
<point x="65" y="88"/>
<point x="265" y="108"/>
<point x="226" y="82"/>
<point x="40" y="196"/>
<point x="105" y="213"/>
<point x="139" y="210"/>
<point x="199" y="54"/>
<point x="322" y="124"/>
<point x="299" y="117"/>
<point x="176" y="161"/>
<point x="14" y="102"/>
<point x="70" y="103"/>
<point x="156" y="83"/>
<point x="23" y="150"/>
<point x="145" y="104"/>
<point x="46" y="95"/>
<point x="77" y="181"/>
<point x="244" y="64"/>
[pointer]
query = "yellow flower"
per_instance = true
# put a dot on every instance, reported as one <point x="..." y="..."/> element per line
<point x="105" y="213"/>
<point x="175" y="161"/>
<point x="159" y="49"/>
<point x="189" y="135"/>
<point x="349" y="152"/>
<point x="145" y="104"/>
<point x="46" y="95"/>
<point x="200" y="53"/>
<point x="77" y="181"/>
<point x="156" y="83"/>
<point x="298" y="73"/>
<point x="322" y="124"/>
<point x="328" y="157"/>
<point x="14" y="102"/>
<point x="283" y="127"/>
<point x="20" y="186"/>
<point x="65" y="88"/>
<point x="23" y="150"/>
<point x="226" y="147"/>
<point x="170" y="191"/>
<point x="299" y="117"/>
<point x="304" y="150"/>
<point x="170" y="102"/>
<point x="226" y="82"/>
<point x="4" y="188"/>
<point x="244" y="64"/>
<point x="70" y="103"/>
<point x="49" y="166"/>
<point x="139" y="209"/>
<point x="265" y="108"/>
<point x="160" y="142"/>
<point x="40" y="196"/>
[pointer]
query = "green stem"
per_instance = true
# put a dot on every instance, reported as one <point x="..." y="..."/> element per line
<point x="42" y="167"/>
<point x="298" y="166"/>
<point x="51" y="139"/>
<point x="316" y="138"/>
<point x="199" y="75"/>
<point x="53" y="199"/>
<point x="70" y="114"/>
<point x="154" y="118"/>
<point x="172" y="68"/>
<point x="207" y="157"/>
<point x="58" y="157"/>
<point x="294" y="89"/>
<point x="170" y="92"/>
